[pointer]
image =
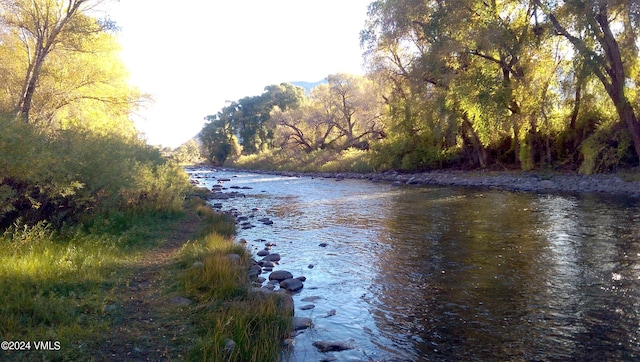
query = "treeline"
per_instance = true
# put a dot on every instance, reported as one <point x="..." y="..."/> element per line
<point x="470" y="84"/>
<point x="68" y="150"/>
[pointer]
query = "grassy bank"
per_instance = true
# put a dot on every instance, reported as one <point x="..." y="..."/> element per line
<point x="76" y="288"/>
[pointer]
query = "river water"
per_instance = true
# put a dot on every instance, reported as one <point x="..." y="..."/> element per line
<point x="447" y="274"/>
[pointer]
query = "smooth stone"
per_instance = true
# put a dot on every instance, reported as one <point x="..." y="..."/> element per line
<point x="254" y="271"/>
<point x="280" y="275"/>
<point x="229" y="345"/>
<point x="307" y="307"/>
<point x="272" y="257"/>
<point x="323" y="245"/>
<point x="300" y="323"/>
<point x="332" y="346"/>
<point x="267" y="264"/>
<point x="291" y="285"/>
<point x="312" y="298"/>
<point x="263" y="252"/>
<point x="181" y="300"/>
<point x="331" y="313"/>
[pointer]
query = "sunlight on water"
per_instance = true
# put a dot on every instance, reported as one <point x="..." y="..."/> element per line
<point x="429" y="273"/>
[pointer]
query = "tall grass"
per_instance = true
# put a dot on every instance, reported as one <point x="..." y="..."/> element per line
<point x="55" y="285"/>
<point x="227" y="311"/>
<point x="58" y="285"/>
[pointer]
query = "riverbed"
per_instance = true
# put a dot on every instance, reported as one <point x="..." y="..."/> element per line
<point x="422" y="272"/>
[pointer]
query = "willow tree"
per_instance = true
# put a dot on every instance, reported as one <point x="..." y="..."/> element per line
<point x="346" y="112"/>
<point x="604" y="35"/>
<point x="42" y="28"/>
<point x="476" y="55"/>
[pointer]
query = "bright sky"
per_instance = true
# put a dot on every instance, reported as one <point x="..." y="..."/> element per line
<point x="192" y="56"/>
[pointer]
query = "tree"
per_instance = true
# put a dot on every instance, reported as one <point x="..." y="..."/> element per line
<point x="247" y="119"/>
<point x="346" y="112"/>
<point x="45" y="27"/>
<point x="187" y="153"/>
<point x="604" y="35"/>
<point x="217" y="138"/>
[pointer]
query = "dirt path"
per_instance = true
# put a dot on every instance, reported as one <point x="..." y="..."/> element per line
<point x="148" y="323"/>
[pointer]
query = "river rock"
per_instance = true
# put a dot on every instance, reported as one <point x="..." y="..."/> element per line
<point x="307" y="307"/>
<point x="272" y="257"/>
<point x="332" y="346"/>
<point x="312" y="298"/>
<point x="300" y="323"/>
<point x="280" y="275"/>
<point x="283" y="300"/>
<point x="266" y="264"/>
<point x="263" y="252"/>
<point x="254" y="271"/>
<point x="291" y="284"/>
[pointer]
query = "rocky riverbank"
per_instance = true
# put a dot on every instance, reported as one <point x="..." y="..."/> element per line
<point x="269" y="277"/>
<point x="551" y="183"/>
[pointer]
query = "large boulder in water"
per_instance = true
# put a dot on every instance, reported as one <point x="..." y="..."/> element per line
<point x="291" y="284"/>
<point x="280" y="275"/>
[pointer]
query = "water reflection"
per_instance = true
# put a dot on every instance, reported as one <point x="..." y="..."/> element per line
<point x="443" y="274"/>
<point x="499" y="275"/>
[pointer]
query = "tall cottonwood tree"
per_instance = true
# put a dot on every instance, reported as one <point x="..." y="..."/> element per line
<point x="498" y="70"/>
<point x="246" y="120"/>
<point x="346" y="112"/>
<point x="604" y="34"/>
<point x="44" y="27"/>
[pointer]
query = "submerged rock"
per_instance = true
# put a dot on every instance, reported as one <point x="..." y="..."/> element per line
<point x="332" y="346"/>
<point x="272" y="257"/>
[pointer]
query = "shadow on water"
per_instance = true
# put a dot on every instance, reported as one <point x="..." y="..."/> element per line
<point x="427" y="273"/>
<point x="495" y="275"/>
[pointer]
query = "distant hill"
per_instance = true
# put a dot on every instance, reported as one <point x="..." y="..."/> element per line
<point x="309" y="85"/>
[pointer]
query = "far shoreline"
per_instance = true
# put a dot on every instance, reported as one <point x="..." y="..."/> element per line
<point x="542" y="182"/>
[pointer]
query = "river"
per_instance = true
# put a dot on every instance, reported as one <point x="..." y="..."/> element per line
<point x="445" y="274"/>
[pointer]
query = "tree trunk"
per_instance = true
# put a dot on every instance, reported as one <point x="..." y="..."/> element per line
<point x="479" y="148"/>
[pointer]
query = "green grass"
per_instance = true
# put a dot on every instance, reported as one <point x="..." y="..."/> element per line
<point x="59" y="285"/>
<point x="226" y="311"/>
<point x="328" y="160"/>
<point x="54" y="286"/>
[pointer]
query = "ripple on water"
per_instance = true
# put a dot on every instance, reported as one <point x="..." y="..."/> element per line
<point x="435" y="273"/>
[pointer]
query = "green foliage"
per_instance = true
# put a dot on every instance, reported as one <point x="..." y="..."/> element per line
<point x="71" y="175"/>
<point x="349" y="160"/>
<point x="227" y="311"/>
<point x="245" y="122"/>
<point x="606" y="150"/>
<point x="188" y="153"/>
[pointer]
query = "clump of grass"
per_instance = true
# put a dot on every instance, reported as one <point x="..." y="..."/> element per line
<point x="215" y="222"/>
<point x="256" y="323"/>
